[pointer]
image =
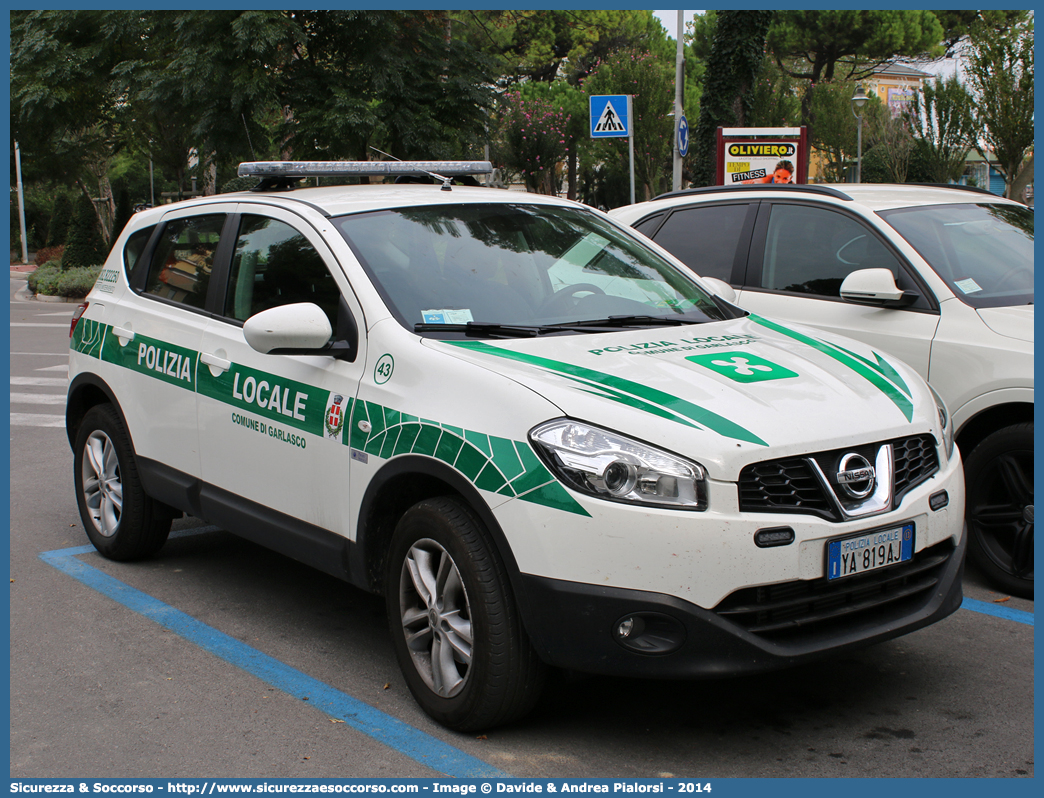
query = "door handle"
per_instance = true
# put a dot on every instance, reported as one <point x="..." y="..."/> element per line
<point x="215" y="362"/>
<point x="123" y="334"/>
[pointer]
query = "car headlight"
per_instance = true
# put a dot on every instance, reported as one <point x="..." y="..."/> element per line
<point x="610" y="466"/>
<point x="945" y="422"/>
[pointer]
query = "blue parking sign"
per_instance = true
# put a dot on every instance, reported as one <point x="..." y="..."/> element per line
<point x="611" y="116"/>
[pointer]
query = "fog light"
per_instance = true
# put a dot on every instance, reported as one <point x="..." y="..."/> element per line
<point x="774" y="536"/>
<point x="649" y="633"/>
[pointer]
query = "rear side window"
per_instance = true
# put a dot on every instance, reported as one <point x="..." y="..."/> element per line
<point x="183" y="260"/>
<point x="275" y="265"/>
<point x="134" y="248"/>
<point x="705" y="238"/>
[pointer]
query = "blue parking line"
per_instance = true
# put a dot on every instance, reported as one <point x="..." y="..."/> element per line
<point x="1020" y="616"/>
<point x="402" y="737"/>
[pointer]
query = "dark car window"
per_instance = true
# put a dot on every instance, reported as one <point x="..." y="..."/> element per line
<point x="647" y="225"/>
<point x="274" y="265"/>
<point x="811" y="250"/>
<point x="184" y="258"/>
<point x="705" y="238"/>
<point x="134" y="248"/>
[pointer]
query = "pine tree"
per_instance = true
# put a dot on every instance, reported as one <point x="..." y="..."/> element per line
<point x="84" y="246"/>
<point x="58" y="230"/>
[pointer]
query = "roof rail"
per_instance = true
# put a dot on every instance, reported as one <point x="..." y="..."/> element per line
<point x="958" y="186"/>
<point x="797" y="187"/>
<point x="283" y="174"/>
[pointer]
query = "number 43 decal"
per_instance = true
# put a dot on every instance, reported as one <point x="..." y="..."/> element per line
<point x="383" y="370"/>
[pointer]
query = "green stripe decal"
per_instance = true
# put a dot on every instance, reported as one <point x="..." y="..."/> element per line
<point x="633" y="394"/>
<point x="498" y="465"/>
<point x="882" y="375"/>
<point x="510" y="468"/>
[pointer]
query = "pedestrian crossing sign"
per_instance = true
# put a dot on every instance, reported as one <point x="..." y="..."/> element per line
<point x="611" y="116"/>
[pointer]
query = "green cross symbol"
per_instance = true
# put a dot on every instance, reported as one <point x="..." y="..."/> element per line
<point x="742" y="366"/>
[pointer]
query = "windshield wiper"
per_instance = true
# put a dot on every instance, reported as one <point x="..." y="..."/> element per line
<point x="613" y="322"/>
<point x="489" y="328"/>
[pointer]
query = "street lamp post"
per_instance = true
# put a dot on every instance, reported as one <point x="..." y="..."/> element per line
<point x="859" y="99"/>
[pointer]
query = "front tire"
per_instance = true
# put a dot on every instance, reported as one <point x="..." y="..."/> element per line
<point x="121" y="521"/>
<point x="457" y="632"/>
<point x="999" y="478"/>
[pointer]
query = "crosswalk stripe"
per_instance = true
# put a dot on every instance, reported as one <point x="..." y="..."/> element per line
<point x="36" y="420"/>
<point x="50" y="382"/>
<point x="37" y="398"/>
<point x="64" y="367"/>
<point x="38" y="324"/>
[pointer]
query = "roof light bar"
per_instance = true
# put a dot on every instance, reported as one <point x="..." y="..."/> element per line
<point x="296" y="169"/>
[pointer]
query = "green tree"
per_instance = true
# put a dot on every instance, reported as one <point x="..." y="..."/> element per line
<point x="650" y="82"/>
<point x="836" y="132"/>
<point x="548" y="45"/>
<point x="732" y="70"/>
<point x="814" y="46"/>
<point x="533" y="140"/>
<point x="1000" y="75"/>
<point x="61" y="218"/>
<point x="398" y="80"/>
<point x="84" y="246"/>
<point x="941" y="119"/>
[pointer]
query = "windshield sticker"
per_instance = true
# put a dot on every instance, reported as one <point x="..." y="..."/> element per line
<point x="968" y="286"/>
<point x="447" y="316"/>
<point x="626" y="392"/>
<point x="742" y="366"/>
<point x="881" y="374"/>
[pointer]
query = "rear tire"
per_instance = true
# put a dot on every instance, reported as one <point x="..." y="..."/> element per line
<point x="999" y="477"/>
<point x="121" y="521"/>
<point x="457" y="631"/>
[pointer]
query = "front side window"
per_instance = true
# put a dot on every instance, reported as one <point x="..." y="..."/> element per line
<point x="182" y="263"/>
<point x="275" y="265"/>
<point x="516" y="265"/>
<point x="984" y="252"/>
<point x="812" y="250"/>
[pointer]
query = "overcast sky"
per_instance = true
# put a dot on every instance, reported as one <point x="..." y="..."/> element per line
<point x="670" y="20"/>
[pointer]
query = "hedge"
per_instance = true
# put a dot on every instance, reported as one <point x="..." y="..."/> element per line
<point x="51" y="280"/>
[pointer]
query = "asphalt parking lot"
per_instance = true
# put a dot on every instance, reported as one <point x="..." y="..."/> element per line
<point x="222" y="659"/>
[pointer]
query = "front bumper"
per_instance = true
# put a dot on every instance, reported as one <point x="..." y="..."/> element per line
<point x="572" y="624"/>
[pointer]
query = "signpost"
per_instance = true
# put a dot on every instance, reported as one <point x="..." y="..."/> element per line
<point x="611" y="117"/>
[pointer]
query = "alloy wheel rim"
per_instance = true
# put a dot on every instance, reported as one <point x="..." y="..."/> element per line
<point x="1002" y="513"/>
<point x="102" y="485"/>
<point x="436" y="618"/>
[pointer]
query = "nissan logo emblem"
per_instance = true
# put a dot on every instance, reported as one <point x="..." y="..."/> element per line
<point x="855" y="475"/>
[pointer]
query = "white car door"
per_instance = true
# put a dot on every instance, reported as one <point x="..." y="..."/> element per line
<point x="271" y="424"/>
<point x="801" y="254"/>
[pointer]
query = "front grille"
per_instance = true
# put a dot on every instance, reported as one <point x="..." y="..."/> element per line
<point x="792" y="611"/>
<point x="915" y="460"/>
<point x="784" y="486"/>
<point x="791" y="485"/>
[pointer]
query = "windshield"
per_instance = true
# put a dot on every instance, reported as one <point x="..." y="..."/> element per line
<point x="984" y="252"/>
<point x="542" y="268"/>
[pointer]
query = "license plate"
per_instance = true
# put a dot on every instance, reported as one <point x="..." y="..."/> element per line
<point x="869" y="551"/>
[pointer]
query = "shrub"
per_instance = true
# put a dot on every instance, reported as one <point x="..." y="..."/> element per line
<point x="48" y="254"/>
<point x="51" y="280"/>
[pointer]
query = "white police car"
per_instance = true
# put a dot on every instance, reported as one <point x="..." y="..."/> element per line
<point x="543" y="441"/>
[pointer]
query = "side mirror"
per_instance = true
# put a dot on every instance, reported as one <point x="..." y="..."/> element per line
<point x="875" y="287"/>
<point x="721" y="288"/>
<point x="297" y="329"/>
